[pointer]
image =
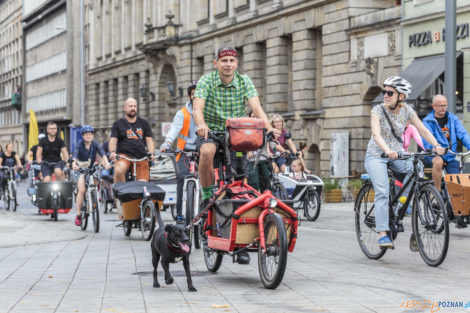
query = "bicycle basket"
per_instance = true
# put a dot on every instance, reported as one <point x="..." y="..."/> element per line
<point x="458" y="186"/>
<point x="245" y="134"/>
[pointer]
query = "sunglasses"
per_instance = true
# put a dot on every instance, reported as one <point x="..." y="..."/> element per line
<point x="388" y="92"/>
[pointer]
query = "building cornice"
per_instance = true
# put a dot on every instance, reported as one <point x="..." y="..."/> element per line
<point x="115" y="64"/>
<point x="431" y="16"/>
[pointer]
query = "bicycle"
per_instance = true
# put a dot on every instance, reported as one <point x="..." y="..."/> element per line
<point x="9" y="193"/>
<point x="137" y="201"/>
<point x="454" y="187"/>
<point x="91" y="199"/>
<point x="429" y="218"/>
<point x="33" y="179"/>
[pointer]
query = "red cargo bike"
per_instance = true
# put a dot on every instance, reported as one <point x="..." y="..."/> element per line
<point x="239" y="219"/>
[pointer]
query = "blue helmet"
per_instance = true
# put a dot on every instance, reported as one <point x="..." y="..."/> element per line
<point x="87" y="129"/>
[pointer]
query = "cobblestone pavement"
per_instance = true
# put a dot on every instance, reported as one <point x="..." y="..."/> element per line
<point x="48" y="266"/>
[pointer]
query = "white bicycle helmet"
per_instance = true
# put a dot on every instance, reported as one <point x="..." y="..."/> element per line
<point x="400" y="84"/>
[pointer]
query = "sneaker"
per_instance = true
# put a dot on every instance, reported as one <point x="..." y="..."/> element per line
<point x="460" y="223"/>
<point x="243" y="258"/>
<point x="78" y="220"/>
<point x="385" y="242"/>
<point x="413" y="243"/>
<point x="179" y="219"/>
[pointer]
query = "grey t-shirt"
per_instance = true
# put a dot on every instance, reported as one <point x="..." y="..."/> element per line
<point x="399" y="120"/>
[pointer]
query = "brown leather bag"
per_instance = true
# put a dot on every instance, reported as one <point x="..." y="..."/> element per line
<point x="245" y="134"/>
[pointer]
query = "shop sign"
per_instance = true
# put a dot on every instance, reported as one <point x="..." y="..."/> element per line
<point x="425" y="38"/>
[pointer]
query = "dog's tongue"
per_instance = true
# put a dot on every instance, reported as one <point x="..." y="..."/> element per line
<point x="184" y="246"/>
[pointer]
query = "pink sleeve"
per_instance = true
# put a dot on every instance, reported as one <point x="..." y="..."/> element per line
<point x="416" y="136"/>
<point x="406" y="138"/>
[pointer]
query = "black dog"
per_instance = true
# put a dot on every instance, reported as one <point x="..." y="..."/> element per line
<point x="172" y="245"/>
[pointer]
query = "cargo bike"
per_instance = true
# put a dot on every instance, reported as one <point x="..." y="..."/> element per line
<point x="238" y="218"/>
<point x="137" y="202"/>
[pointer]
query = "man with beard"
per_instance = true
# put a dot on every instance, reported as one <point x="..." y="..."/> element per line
<point x="131" y="136"/>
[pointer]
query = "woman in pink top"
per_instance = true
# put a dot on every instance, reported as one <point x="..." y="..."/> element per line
<point x="411" y="132"/>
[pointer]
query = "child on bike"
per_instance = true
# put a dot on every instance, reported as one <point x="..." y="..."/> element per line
<point x="298" y="170"/>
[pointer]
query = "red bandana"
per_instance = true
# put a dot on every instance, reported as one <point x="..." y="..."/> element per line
<point x="227" y="52"/>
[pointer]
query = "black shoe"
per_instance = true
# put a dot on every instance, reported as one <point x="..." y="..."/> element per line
<point x="243" y="258"/>
<point x="460" y="223"/>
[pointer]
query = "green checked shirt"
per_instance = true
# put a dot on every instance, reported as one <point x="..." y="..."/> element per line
<point x="224" y="101"/>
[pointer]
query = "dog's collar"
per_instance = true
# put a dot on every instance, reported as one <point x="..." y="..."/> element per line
<point x="171" y="246"/>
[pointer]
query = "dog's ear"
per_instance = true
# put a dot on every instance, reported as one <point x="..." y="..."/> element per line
<point x="168" y="228"/>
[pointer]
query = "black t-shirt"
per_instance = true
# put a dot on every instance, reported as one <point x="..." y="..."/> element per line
<point x="131" y="137"/>
<point x="51" y="150"/>
<point x="9" y="160"/>
<point x="442" y="121"/>
<point x="34" y="149"/>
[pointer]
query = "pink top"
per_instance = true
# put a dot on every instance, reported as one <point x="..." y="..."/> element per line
<point x="411" y="132"/>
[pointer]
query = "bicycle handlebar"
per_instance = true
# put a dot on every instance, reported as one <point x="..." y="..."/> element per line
<point x="120" y="156"/>
<point x="461" y="154"/>
<point x="408" y="155"/>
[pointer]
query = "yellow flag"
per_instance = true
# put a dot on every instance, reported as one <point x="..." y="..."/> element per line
<point x="33" y="130"/>
<point x="62" y="135"/>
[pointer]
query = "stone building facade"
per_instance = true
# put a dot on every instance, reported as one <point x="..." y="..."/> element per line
<point x="51" y="77"/>
<point x="318" y="63"/>
<point x="11" y="61"/>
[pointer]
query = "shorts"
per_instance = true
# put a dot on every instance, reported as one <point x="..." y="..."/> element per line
<point x="280" y="161"/>
<point x="142" y="168"/>
<point x="48" y="169"/>
<point x="452" y="167"/>
<point x="238" y="162"/>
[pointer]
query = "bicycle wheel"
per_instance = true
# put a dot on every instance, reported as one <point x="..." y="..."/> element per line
<point x="190" y="204"/>
<point x="127" y="228"/>
<point x="272" y="262"/>
<point x="312" y="205"/>
<point x="430" y="225"/>
<point x="103" y="200"/>
<point x="7" y="199"/>
<point x="147" y="220"/>
<point x="174" y="214"/>
<point x="365" y="223"/>
<point x="280" y="192"/>
<point x="212" y="258"/>
<point x="95" y="212"/>
<point x="83" y="213"/>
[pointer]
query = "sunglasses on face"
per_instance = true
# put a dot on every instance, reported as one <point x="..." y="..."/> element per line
<point x="389" y="93"/>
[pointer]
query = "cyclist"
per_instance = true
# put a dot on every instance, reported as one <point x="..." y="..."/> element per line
<point x="220" y="95"/>
<point x="8" y="158"/>
<point x="184" y="129"/>
<point x="132" y="137"/>
<point x="84" y="156"/>
<point x="284" y="138"/>
<point x="31" y="156"/>
<point x="448" y="129"/>
<point x="50" y="148"/>
<point x="388" y="121"/>
<point x="107" y="172"/>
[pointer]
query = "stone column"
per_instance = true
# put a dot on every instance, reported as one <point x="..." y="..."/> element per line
<point x="276" y="74"/>
<point x="117" y="26"/>
<point x="92" y="103"/>
<point x="254" y="66"/>
<point x="143" y="107"/>
<point x="303" y="67"/>
<point x="103" y="99"/>
<point x="133" y="88"/>
<point x="121" y="95"/>
<point x="112" y="99"/>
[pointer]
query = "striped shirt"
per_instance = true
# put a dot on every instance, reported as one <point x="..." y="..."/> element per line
<point x="224" y="101"/>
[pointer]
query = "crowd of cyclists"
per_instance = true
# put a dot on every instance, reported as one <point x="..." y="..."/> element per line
<point x="224" y="93"/>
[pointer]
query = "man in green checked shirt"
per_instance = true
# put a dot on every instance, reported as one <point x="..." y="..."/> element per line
<point x="220" y="95"/>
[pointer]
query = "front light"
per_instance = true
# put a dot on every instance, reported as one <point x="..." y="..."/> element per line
<point x="272" y="203"/>
<point x="55" y="187"/>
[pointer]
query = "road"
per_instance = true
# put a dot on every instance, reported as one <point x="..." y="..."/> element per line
<point x="48" y="266"/>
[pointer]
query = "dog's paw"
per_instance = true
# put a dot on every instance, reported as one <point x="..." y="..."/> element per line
<point x="156" y="285"/>
<point x="169" y="280"/>
<point x="192" y="289"/>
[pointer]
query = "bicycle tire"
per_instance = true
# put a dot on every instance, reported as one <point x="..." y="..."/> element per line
<point x="103" y="200"/>
<point x="7" y="199"/>
<point x="127" y="228"/>
<point x="312" y="198"/>
<point x="147" y="220"/>
<point x="174" y="214"/>
<point x="189" y="214"/>
<point x="84" y="215"/>
<point x="280" y="192"/>
<point x="276" y="244"/>
<point x="95" y="212"/>
<point x="429" y="218"/>
<point x="213" y="259"/>
<point x="367" y="237"/>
